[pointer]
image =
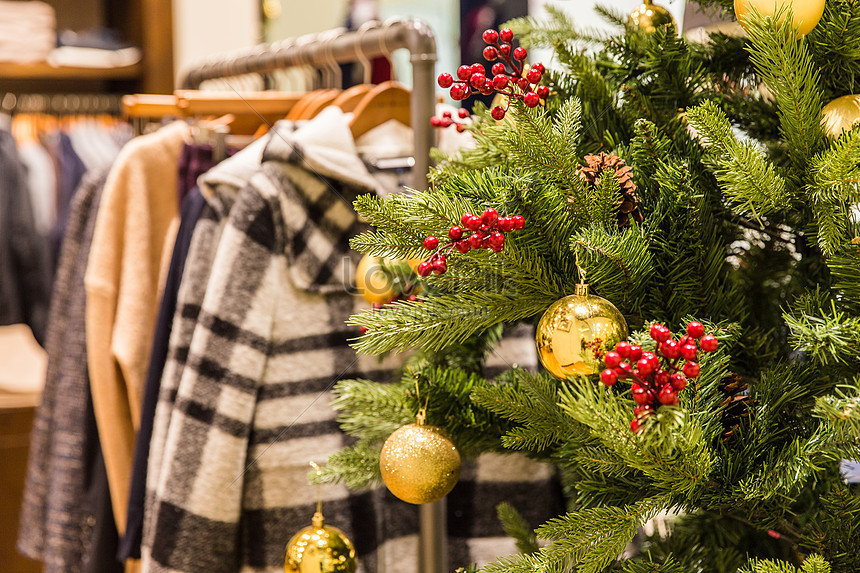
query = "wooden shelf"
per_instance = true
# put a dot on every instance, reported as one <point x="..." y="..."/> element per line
<point x="44" y="71"/>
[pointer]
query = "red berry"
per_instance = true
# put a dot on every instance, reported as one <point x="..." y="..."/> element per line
<point x="612" y="359"/>
<point x="636" y="426"/>
<point x="463" y="246"/>
<point x="477" y="81"/>
<point x="608" y="377"/>
<point x="539" y="67"/>
<point x="520" y="54"/>
<point x="478" y="68"/>
<point x="500" y="82"/>
<point x="445" y="80"/>
<point x="624" y="369"/>
<point x="623" y="349"/>
<point x="533" y="76"/>
<point x="440" y="266"/>
<point x="506" y="34"/>
<point x="505" y="49"/>
<point x="490" y="53"/>
<point x="463" y="113"/>
<point x="519" y="221"/>
<point x="464" y="72"/>
<point x="709" y="343"/>
<point x="643" y="410"/>
<point x="542" y="92"/>
<point x="498" y="68"/>
<point x="431" y="243"/>
<point x="652" y="358"/>
<point x="645" y="367"/>
<point x="476" y="241"/>
<point x="498" y="113"/>
<point x="496" y="241"/>
<point x="695" y="329"/>
<point x="446" y="114"/>
<point x="678" y="381"/>
<point x="659" y="333"/>
<point x="635" y="352"/>
<point x="461" y="127"/>
<point x="522" y="83"/>
<point x="691" y="369"/>
<point x="688" y="352"/>
<point x="670" y="349"/>
<point x="470" y="221"/>
<point x="446" y="122"/>
<point x="459" y="92"/>
<point x="506" y="224"/>
<point x="455" y="233"/>
<point x="668" y="395"/>
<point x="490" y="217"/>
<point x="436" y="121"/>
<point x="640" y="394"/>
<point x="424" y="268"/>
<point x="490" y="36"/>
<point x="531" y="99"/>
<point x="661" y="377"/>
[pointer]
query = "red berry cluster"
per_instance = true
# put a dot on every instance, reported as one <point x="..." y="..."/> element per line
<point x="447" y="119"/>
<point x="656" y="384"/>
<point x="473" y="79"/>
<point x="488" y="228"/>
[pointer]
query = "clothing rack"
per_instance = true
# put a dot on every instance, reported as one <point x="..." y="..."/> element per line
<point x="372" y="40"/>
<point x="61" y="104"/>
<point x="325" y="51"/>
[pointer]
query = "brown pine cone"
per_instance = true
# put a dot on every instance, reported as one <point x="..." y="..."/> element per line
<point x="628" y="204"/>
<point x="736" y="405"/>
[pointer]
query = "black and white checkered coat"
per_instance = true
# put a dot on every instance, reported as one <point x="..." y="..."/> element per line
<point x="253" y="366"/>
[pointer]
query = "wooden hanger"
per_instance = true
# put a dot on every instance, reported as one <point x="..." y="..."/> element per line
<point x="319" y="103"/>
<point x="301" y="109"/>
<point x="388" y="100"/>
<point x="351" y="97"/>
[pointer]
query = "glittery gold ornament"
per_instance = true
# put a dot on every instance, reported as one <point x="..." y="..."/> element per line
<point x="806" y="13"/>
<point x="648" y="17"/>
<point x="419" y="463"/>
<point x="841" y="114"/>
<point x="376" y="285"/>
<point x="575" y="332"/>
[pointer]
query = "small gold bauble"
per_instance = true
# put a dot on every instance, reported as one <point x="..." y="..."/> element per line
<point x="648" y="17"/>
<point x="320" y="548"/>
<point x="371" y="281"/>
<point x="575" y="331"/>
<point x="841" y="114"/>
<point x="806" y="13"/>
<point x="419" y="463"/>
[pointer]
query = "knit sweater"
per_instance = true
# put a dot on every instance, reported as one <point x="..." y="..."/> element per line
<point x="228" y="486"/>
<point x="131" y="247"/>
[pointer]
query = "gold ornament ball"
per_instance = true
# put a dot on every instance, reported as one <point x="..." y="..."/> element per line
<point x="373" y="284"/>
<point x="575" y="331"/>
<point x="419" y="463"/>
<point x="841" y="114"/>
<point x="320" y="548"/>
<point x="806" y="13"/>
<point x="649" y="17"/>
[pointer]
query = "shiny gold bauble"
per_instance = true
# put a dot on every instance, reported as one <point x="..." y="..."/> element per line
<point x="806" y="13"/>
<point x="320" y="548"/>
<point x="419" y="463"/>
<point x="648" y="17"/>
<point x="575" y="331"/>
<point x="841" y="114"/>
<point x="374" y="284"/>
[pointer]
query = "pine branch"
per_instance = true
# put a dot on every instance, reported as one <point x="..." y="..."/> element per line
<point x="813" y="564"/>
<point x="829" y="336"/>
<point x="835" y="45"/>
<point x="517" y="527"/>
<point x="372" y="411"/>
<point x="790" y="73"/>
<point x="747" y="177"/>
<point x="356" y="466"/>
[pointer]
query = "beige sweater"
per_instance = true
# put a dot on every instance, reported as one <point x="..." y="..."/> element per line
<point x="133" y="238"/>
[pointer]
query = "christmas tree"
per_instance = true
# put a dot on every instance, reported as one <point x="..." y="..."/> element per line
<point x="702" y="190"/>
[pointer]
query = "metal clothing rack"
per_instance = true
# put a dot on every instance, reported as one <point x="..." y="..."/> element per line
<point x="372" y="40"/>
<point x="321" y="50"/>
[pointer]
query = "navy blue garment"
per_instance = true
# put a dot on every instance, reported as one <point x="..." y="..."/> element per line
<point x="192" y="207"/>
<point x="71" y="170"/>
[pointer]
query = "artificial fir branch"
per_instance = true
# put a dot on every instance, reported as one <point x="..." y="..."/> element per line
<point x="518" y="528"/>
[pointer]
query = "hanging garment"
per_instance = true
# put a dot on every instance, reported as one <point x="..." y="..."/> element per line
<point x="244" y="403"/>
<point x="60" y="512"/>
<point x="71" y="170"/>
<point x="130" y="252"/>
<point x="25" y="268"/>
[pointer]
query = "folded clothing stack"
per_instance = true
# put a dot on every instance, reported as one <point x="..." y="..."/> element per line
<point x="28" y="31"/>
<point x="96" y="48"/>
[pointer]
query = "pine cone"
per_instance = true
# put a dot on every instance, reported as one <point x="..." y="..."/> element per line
<point x="628" y="205"/>
<point x="736" y="405"/>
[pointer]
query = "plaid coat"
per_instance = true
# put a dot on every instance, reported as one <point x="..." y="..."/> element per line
<point x="228" y="485"/>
